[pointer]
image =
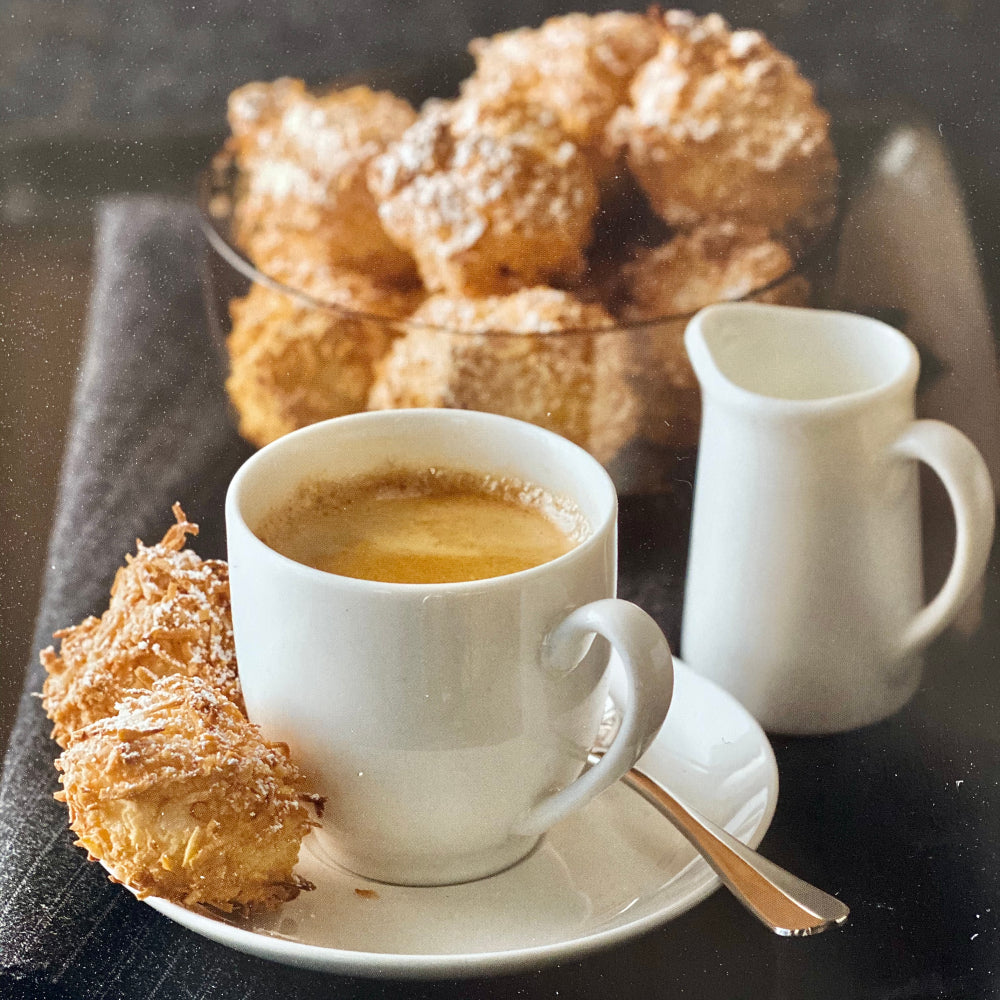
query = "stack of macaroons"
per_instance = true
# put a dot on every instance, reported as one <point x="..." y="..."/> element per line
<point x="631" y="167"/>
<point x="168" y="784"/>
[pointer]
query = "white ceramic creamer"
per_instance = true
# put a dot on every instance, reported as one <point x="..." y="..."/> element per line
<point x="804" y="593"/>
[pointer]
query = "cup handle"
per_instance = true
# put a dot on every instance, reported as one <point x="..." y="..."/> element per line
<point x="958" y="464"/>
<point x="649" y="671"/>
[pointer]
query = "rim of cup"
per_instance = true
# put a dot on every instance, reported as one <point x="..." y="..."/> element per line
<point x="598" y="478"/>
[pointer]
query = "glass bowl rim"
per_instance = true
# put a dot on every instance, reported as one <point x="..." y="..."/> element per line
<point x="227" y="249"/>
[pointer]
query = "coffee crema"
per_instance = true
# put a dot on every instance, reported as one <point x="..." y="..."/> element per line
<point x="423" y="526"/>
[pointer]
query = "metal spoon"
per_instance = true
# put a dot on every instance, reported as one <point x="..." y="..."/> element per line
<point x="784" y="903"/>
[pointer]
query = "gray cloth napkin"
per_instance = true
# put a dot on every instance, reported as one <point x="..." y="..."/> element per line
<point x="150" y="425"/>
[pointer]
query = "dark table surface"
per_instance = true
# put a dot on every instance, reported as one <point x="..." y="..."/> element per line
<point x="901" y="820"/>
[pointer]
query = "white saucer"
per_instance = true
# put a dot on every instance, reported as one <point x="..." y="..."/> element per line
<point x="611" y="872"/>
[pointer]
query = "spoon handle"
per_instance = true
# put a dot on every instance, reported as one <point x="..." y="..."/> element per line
<point x="786" y="904"/>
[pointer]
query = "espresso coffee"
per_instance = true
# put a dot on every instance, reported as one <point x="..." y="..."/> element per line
<point x="423" y="526"/>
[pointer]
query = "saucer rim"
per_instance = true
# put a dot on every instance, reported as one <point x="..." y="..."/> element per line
<point x="389" y="965"/>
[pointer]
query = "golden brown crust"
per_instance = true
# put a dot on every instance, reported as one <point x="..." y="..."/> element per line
<point x="302" y="161"/>
<point x="292" y="364"/>
<point x="179" y="796"/>
<point x="572" y="384"/>
<point x="721" y="125"/>
<point x="494" y="194"/>
<point x="532" y="310"/>
<point x="578" y="66"/>
<point x="486" y="203"/>
<point x="169" y="613"/>
<point x="716" y="262"/>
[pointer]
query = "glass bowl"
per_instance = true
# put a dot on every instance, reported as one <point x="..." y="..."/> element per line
<point x="626" y="392"/>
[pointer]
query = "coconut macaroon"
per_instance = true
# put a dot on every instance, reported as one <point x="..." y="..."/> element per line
<point x="486" y="203"/>
<point x="302" y="161"/>
<point x="293" y="363"/>
<point x="722" y="125"/>
<point x="533" y="369"/>
<point x="169" y="614"/>
<point x="578" y="66"/>
<point x="179" y="796"/>
<point x="716" y="262"/>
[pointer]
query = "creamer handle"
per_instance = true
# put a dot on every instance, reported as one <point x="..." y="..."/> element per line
<point x="958" y="464"/>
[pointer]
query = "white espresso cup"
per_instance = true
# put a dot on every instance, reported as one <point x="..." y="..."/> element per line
<point x="447" y="724"/>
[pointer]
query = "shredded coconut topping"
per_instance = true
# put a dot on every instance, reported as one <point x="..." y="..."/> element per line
<point x="169" y="613"/>
<point x="485" y="202"/>
<point x="574" y="385"/>
<point x="302" y="160"/>
<point x="180" y="796"/>
<point x="722" y="125"/>
<point x="577" y="65"/>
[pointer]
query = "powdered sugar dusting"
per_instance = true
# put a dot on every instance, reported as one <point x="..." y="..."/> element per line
<point x="485" y="202"/>
<point x="722" y="125"/>
<point x="180" y="796"/>
<point x="169" y="613"/>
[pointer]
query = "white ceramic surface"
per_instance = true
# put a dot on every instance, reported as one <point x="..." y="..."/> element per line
<point x="804" y="588"/>
<point x="608" y="873"/>
<point x="446" y="723"/>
